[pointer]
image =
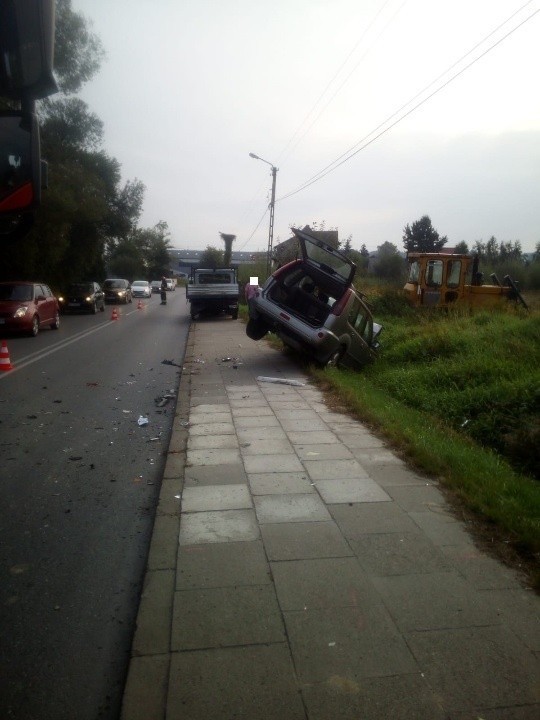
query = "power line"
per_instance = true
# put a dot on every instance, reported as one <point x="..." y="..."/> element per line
<point x="349" y="154"/>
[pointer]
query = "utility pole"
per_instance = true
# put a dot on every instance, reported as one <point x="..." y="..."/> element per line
<point x="271" y="207"/>
<point x="271" y="229"/>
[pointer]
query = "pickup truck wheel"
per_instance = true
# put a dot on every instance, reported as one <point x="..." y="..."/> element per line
<point x="255" y="329"/>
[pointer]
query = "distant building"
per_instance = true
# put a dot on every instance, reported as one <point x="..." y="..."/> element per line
<point x="183" y="261"/>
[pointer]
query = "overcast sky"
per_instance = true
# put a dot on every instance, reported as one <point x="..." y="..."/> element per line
<point x="190" y="87"/>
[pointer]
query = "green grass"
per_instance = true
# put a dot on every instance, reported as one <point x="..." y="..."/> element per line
<point x="459" y="395"/>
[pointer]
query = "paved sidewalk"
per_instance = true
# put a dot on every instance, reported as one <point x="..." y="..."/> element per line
<point x="299" y="569"/>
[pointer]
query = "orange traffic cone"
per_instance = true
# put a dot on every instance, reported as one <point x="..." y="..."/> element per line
<point x="140" y="305"/>
<point x="114" y="315"/>
<point x="5" y="362"/>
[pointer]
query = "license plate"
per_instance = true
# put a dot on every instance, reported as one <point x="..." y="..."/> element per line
<point x="2" y="321"/>
<point x="73" y="304"/>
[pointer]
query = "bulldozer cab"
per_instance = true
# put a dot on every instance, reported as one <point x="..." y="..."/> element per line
<point x="446" y="279"/>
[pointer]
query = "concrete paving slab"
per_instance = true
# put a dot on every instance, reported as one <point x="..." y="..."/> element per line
<point x="398" y="554"/>
<point x="265" y="447"/>
<point x="359" y="438"/>
<point x="334" y="469"/>
<point x="290" y="508"/>
<point x="272" y="463"/>
<point x="218" y="526"/>
<point x="391" y="474"/>
<point x="212" y="428"/>
<point x="210" y="418"/>
<point x="222" y="565"/>
<point x="519" y="608"/>
<point x="418" y="498"/>
<point x="196" y="475"/>
<point x="248" y="434"/>
<point x="481" y="571"/>
<point x="216" y="497"/>
<point x="335" y="451"/>
<point x="399" y="697"/>
<point x="432" y="601"/>
<point x="302" y="541"/>
<point x="280" y="483"/>
<point x="205" y="442"/>
<point x="261" y="421"/>
<point x="301" y="425"/>
<point x="442" y="527"/>
<point x="226" y="617"/>
<point x="213" y="456"/>
<point x="334" y="582"/>
<point x="352" y="642"/>
<point x="259" y="682"/>
<point x="317" y="437"/>
<point x="253" y="412"/>
<point x="208" y="408"/>
<point x="477" y="667"/>
<point x="357" y="520"/>
<point x="351" y="490"/>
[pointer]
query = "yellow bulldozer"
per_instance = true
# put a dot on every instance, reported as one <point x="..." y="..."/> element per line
<point x="448" y="279"/>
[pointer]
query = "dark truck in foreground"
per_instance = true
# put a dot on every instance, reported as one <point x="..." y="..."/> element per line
<point x="213" y="290"/>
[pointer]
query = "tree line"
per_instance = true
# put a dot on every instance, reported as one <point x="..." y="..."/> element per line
<point x="88" y="223"/>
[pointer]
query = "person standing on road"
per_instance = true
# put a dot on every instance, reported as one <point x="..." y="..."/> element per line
<point x="163" y="290"/>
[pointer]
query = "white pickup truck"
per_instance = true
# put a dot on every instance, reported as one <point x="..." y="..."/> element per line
<point x="213" y="290"/>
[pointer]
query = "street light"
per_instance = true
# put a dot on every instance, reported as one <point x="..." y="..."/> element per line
<point x="271" y="206"/>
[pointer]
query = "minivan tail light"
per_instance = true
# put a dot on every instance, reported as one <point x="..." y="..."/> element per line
<point x="340" y="304"/>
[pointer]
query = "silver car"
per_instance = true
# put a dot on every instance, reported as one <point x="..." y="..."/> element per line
<point x="312" y="306"/>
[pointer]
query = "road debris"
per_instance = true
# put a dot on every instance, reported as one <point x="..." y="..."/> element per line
<point x="142" y="421"/>
<point x="281" y="381"/>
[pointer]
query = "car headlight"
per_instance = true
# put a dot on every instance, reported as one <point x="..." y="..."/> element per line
<point x="20" y="312"/>
<point x="88" y="299"/>
<point x="60" y="298"/>
<point x="121" y="292"/>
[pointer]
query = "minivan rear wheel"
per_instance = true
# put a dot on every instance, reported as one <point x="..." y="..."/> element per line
<point x="256" y="329"/>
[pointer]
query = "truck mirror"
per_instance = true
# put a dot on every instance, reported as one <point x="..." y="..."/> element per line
<point x="20" y="164"/>
<point x="26" y="49"/>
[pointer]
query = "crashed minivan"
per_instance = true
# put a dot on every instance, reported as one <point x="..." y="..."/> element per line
<point x="313" y="307"/>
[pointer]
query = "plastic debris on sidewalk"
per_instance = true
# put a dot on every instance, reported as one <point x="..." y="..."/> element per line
<point x="281" y="381"/>
<point x="142" y="420"/>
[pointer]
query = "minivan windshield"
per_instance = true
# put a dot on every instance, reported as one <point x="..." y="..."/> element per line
<point x="325" y="257"/>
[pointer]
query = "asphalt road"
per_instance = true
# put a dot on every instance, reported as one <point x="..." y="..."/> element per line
<point x="80" y="480"/>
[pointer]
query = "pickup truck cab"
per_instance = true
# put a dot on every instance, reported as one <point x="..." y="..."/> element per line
<point x="213" y="290"/>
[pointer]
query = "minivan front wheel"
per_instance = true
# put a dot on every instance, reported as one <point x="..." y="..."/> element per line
<point x="335" y="358"/>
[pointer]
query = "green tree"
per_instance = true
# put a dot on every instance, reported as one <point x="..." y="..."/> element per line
<point x="421" y="236"/>
<point x="211" y="258"/>
<point x="462" y="248"/>
<point x="78" y="52"/>
<point x="347" y="246"/>
<point x="389" y="265"/>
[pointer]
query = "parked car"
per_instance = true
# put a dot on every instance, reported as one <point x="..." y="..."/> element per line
<point x="141" y="288"/>
<point x="27" y="307"/>
<point x="82" y="297"/>
<point x="117" y="290"/>
<point x="312" y="305"/>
